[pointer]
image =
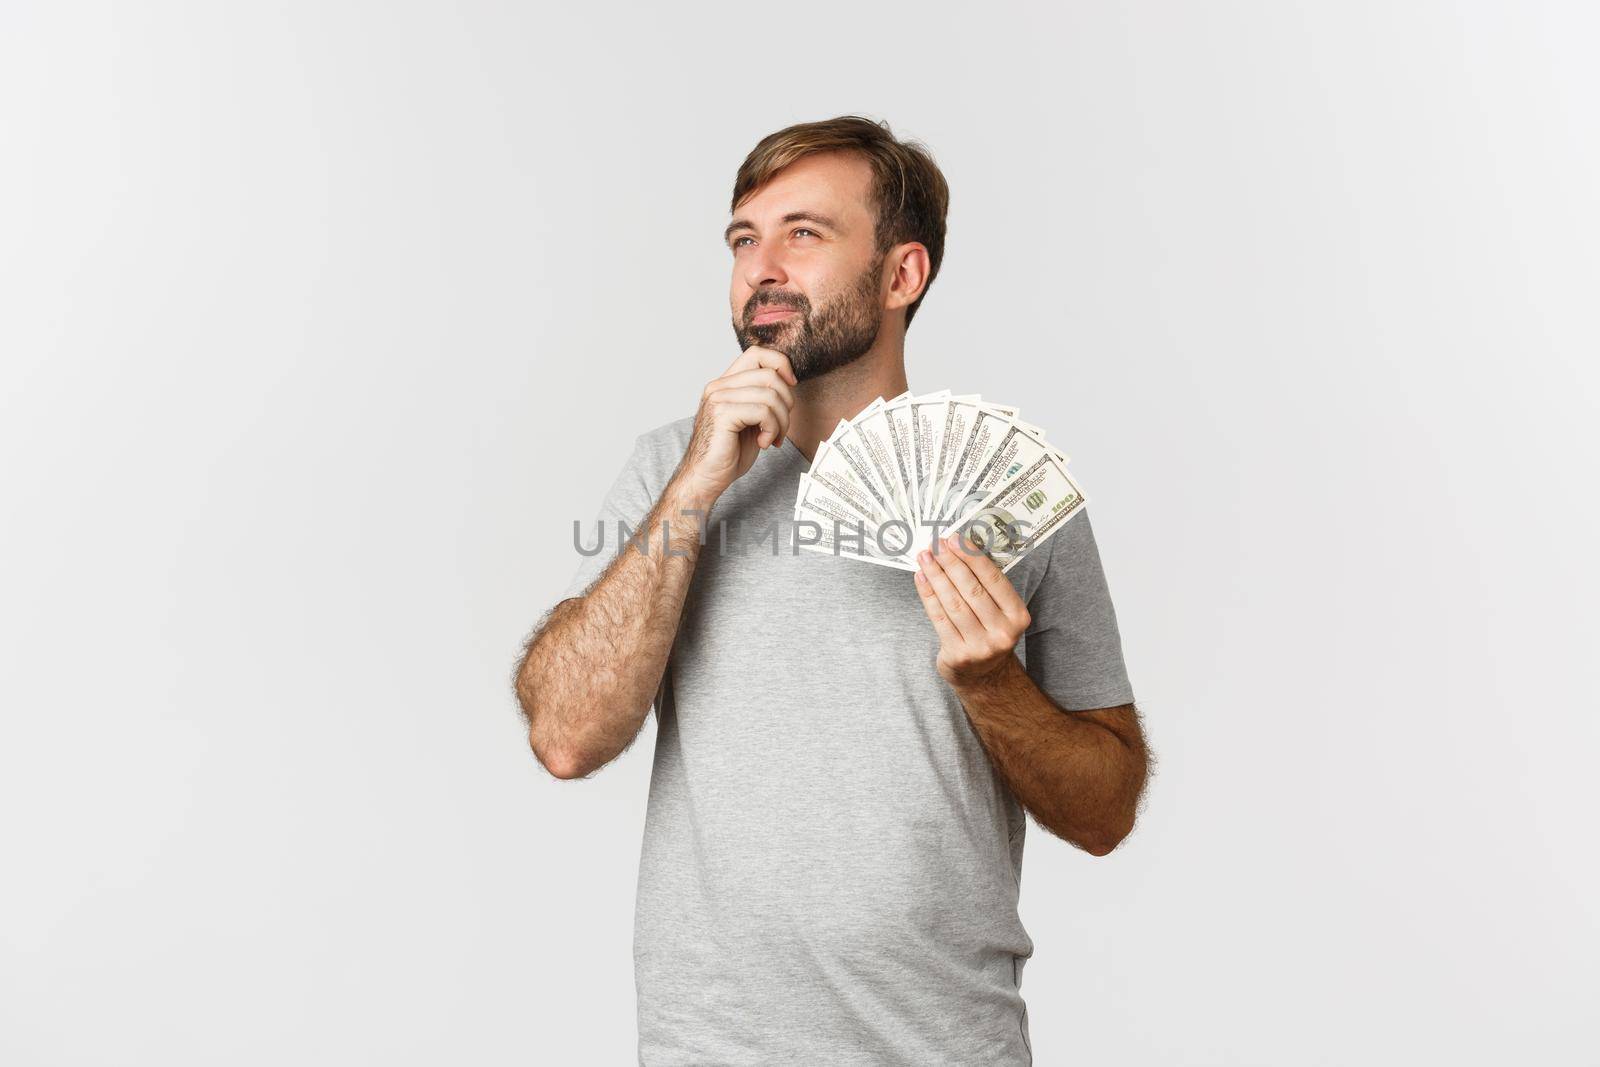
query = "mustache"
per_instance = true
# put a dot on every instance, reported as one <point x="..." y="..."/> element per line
<point x="755" y="307"/>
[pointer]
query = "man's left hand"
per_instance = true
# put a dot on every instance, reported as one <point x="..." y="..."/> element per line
<point x="977" y="612"/>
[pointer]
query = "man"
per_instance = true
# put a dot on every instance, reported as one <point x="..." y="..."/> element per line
<point x="833" y="844"/>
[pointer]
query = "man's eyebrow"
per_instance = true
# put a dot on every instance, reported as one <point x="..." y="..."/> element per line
<point x="793" y="216"/>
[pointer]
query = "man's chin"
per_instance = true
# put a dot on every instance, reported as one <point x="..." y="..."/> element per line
<point x="768" y="335"/>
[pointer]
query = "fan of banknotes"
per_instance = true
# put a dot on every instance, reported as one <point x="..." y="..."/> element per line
<point x="904" y="471"/>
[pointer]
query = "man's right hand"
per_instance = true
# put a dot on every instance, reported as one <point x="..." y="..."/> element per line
<point x="742" y="412"/>
<point x="591" y="670"/>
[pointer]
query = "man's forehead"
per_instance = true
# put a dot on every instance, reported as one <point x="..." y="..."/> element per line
<point x="834" y="185"/>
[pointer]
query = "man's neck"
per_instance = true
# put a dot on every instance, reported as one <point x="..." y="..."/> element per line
<point x="821" y="402"/>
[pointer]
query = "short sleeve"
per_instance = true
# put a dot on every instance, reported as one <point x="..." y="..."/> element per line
<point x="1072" y="649"/>
<point x="627" y="502"/>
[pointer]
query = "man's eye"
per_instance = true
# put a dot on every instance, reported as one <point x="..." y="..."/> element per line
<point x="734" y="244"/>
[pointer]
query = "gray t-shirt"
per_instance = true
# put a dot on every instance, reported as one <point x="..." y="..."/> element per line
<point x="830" y="867"/>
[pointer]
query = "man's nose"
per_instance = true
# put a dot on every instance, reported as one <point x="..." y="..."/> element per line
<point x="764" y="267"/>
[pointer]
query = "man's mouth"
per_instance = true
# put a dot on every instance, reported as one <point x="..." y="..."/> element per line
<point x="772" y="314"/>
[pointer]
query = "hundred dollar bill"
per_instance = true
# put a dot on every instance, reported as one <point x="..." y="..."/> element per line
<point x="831" y="469"/>
<point x="1005" y="411"/>
<point x="927" y="421"/>
<point x="899" y="416"/>
<point x="849" y="447"/>
<point x="1020" y="445"/>
<point x="1021" y="515"/>
<point x="984" y="436"/>
<point x="843" y="532"/>
<point x="877" y="436"/>
<point x="958" y="416"/>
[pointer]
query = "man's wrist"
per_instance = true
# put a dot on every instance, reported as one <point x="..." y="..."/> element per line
<point x="1001" y="679"/>
<point x="685" y="509"/>
<point x="682" y="497"/>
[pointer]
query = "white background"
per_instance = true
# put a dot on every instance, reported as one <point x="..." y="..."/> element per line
<point x="321" y="322"/>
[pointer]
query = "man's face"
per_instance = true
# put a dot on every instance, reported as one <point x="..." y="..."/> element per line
<point x="807" y="277"/>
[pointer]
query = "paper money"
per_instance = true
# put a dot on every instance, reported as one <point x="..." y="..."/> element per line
<point x="877" y="440"/>
<point x="927" y="421"/>
<point x="1026" y="509"/>
<point x="843" y="531"/>
<point x="907" y="469"/>
<point x="977" y="448"/>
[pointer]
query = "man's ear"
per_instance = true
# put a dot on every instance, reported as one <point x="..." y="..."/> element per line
<point x="907" y="265"/>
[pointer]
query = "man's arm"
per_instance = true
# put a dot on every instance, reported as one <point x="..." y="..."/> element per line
<point x="588" y="675"/>
<point x="1081" y="773"/>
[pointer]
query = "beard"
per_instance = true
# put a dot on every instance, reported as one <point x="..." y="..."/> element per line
<point x="818" y="342"/>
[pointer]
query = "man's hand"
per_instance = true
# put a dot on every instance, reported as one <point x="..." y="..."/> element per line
<point x="1080" y="773"/>
<point x="742" y="412"/>
<point x="978" y="613"/>
<point x="589" y="673"/>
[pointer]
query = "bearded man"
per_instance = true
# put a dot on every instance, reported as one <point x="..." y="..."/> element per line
<point x="844" y="754"/>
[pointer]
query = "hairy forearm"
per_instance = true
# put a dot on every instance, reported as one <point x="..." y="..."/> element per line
<point x="589" y="674"/>
<point x="1079" y="773"/>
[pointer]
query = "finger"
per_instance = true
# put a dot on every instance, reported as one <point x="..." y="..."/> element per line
<point x="758" y="376"/>
<point x="948" y="634"/>
<point x="1001" y="591"/>
<point x="755" y="394"/>
<point x="954" y="558"/>
<point x="955" y="606"/>
<point x="738" y="416"/>
<point x="756" y="356"/>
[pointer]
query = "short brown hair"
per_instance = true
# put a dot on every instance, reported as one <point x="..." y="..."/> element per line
<point x="907" y="186"/>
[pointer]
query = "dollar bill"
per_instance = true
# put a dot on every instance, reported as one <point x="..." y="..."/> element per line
<point x="843" y="531"/>
<point x="887" y="479"/>
<point x="958" y="416"/>
<point x="876" y="434"/>
<point x="989" y="426"/>
<point x="850" y="448"/>
<point x="1020" y="445"/>
<point x="927" y="423"/>
<point x="1024" y="511"/>
<point x="897" y="413"/>
<point x="831" y="470"/>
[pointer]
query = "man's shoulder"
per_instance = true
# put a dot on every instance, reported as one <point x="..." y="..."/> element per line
<point x="1064" y="560"/>
<point x="670" y="437"/>
<point x="657" y="451"/>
